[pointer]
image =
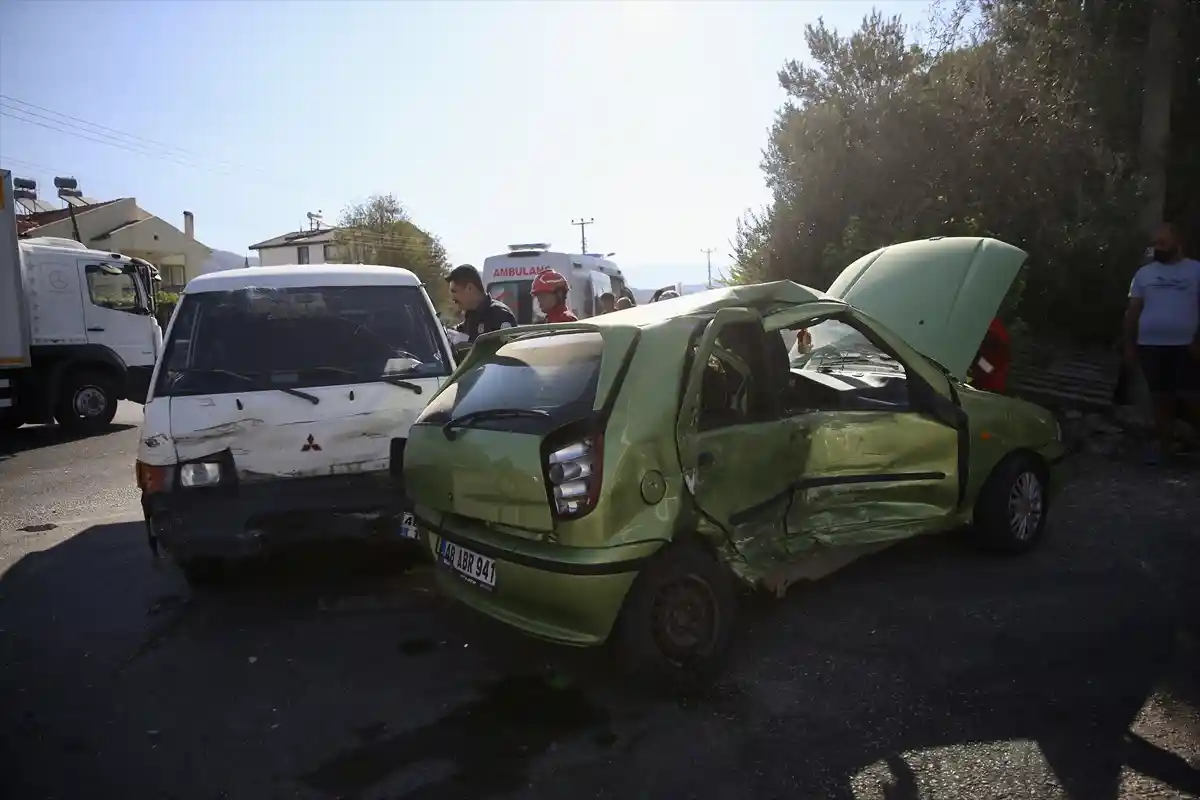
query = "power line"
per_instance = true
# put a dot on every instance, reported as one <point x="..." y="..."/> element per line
<point x="708" y="251"/>
<point x="108" y="132"/>
<point x="126" y="146"/>
<point x="583" y="223"/>
<point x="60" y="122"/>
<point x="131" y="144"/>
<point x="24" y="164"/>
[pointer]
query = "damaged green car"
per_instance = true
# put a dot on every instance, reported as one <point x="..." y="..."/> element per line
<point x="621" y="478"/>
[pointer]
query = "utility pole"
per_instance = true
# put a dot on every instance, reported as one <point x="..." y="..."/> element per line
<point x="708" y="251"/>
<point x="582" y="223"/>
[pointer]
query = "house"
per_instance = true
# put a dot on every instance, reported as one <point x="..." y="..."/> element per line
<point x="313" y="246"/>
<point x="120" y="226"/>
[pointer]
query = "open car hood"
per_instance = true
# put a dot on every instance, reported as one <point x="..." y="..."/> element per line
<point x="939" y="294"/>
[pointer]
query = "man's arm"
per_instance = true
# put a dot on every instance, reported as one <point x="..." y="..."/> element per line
<point x="500" y="316"/>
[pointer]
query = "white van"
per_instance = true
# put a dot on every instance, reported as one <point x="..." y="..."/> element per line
<point x="280" y="408"/>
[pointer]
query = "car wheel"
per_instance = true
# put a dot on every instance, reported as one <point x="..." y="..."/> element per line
<point x="203" y="572"/>
<point x="1011" y="512"/>
<point x="87" y="402"/>
<point x="677" y="622"/>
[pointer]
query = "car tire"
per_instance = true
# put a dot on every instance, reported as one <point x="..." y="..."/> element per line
<point x="1013" y="505"/>
<point x="676" y="625"/>
<point x="202" y="573"/>
<point x="87" y="402"/>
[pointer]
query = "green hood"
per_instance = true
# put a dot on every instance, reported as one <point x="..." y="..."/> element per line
<point x="939" y="295"/>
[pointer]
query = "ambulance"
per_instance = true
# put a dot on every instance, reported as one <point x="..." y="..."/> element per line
<point x="508" y="277"/>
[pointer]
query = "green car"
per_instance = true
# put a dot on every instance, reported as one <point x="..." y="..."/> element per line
<point x="621" y="478"/>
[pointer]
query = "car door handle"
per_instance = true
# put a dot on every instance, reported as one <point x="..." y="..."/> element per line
<point x="95" y="330"/>
<point x="706" y="459"/>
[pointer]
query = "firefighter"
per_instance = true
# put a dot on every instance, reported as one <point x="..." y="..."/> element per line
<point x="550" y="291"/>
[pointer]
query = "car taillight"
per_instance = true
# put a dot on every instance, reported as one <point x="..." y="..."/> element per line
<point x="574" y="473"/>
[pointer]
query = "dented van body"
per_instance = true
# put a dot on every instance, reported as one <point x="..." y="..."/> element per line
<point x="618" y="477"/>
<point x="280" y="408"/>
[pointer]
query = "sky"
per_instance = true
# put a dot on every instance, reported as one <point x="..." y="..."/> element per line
<point x="493" y="122"/>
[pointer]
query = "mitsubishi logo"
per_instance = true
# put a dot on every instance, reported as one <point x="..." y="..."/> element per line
<point x="310" y="445"/>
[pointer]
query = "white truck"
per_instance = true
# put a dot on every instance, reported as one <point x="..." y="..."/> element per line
<point x="508" y="278"/>
<point x="77" y="329"/>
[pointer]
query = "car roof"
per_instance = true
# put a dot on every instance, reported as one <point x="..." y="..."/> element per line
<point x="764" y="297"/>
<point x="293" y="276"/>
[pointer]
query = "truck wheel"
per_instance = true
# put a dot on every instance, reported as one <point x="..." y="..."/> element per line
<point x="1011" y="511"/>
<point x="87" y="402"/>
<point x="677" y="622"/>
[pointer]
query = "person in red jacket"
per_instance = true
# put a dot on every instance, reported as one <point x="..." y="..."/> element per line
<point x="994" y="359"/>
<point x="550" y="290"/>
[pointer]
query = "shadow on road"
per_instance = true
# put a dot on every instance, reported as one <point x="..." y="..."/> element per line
<point x="343" y="674"/>
<point x="35" y="437"/>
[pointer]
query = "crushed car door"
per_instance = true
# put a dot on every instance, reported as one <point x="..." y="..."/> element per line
<point x="878" y="450"/>
<point x="733" y="448"/>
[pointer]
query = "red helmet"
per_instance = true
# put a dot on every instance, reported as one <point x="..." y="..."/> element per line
<point x="549" y="281"/>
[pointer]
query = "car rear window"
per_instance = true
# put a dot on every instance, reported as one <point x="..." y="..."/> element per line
<point x="257" y="339"/>
<point x="557" y="374"/>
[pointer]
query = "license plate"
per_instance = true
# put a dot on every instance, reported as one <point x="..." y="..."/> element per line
<point x="408" y="527"/>
<point x="474" y="568"/>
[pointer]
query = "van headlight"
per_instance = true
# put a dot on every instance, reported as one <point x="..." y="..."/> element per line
<point x="200" y="474"/>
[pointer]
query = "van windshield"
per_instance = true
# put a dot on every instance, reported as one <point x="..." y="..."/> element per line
<point x="260" y="339"/>
<point x="556" y="374"/>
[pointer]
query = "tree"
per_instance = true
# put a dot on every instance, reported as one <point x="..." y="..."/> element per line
<point x="380" y="231"/>
<point x="1161" y="47"/>
<point x="1019" y="119"/>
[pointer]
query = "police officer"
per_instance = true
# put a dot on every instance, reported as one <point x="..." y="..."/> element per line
<point x="550" y="290"/>
<point x="481" y="313"/>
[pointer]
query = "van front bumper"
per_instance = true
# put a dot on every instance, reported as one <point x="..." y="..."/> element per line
<point x="268" y="515"/>
<point x="562" y="594"/>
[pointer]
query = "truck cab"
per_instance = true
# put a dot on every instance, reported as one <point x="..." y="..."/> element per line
<point x="87" y="337"/>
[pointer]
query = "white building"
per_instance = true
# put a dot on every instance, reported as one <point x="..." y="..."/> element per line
<point x="315" y="246"/>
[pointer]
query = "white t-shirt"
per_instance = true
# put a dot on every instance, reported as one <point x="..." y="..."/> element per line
<point x="1171" y="293"/>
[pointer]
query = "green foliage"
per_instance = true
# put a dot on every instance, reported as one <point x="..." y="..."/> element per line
<point x="380" y="231"/>
<point x="1024" y="128"/>
<point x="162" y="298"/>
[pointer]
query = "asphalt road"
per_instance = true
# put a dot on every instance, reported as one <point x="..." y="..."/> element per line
<point x="929" y="671"/>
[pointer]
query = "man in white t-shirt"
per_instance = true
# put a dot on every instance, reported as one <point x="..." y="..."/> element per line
<point x="1162" y="334"/>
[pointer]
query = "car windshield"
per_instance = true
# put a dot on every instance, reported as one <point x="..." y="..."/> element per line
<point x="833" y="346"/>
<point x="555" y="374"/>
<point x="260" y="339"/>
